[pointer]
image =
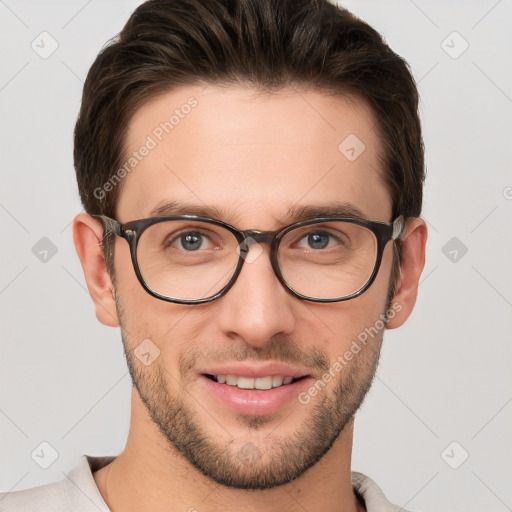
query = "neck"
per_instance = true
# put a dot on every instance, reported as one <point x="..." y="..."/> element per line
<point x="149" y="474"/>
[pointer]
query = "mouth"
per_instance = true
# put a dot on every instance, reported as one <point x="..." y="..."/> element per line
<point x="256" y="383"/>
<point x="254" y="395"/>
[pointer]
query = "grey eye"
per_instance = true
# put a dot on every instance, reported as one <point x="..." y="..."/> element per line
<point x="318" y="240"/>
<point x="191" y="241"/>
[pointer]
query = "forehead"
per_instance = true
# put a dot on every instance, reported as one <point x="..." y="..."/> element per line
<point x="252" y="157"/>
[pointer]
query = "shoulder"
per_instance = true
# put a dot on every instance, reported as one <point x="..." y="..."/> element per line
<point x="49" y="497"/>
<point x="76" y="491"/>
<point x="372" y="495"/>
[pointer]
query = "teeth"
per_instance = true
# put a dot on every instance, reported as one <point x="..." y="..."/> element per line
<point x="245" y="382"/>
<point x="231" y="380"/>
<point x="263" y="383"/>
<point x="277" y="380"/>
<point x="271" y="381"/>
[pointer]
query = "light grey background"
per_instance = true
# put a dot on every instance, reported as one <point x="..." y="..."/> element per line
<point x="444" y="377"/>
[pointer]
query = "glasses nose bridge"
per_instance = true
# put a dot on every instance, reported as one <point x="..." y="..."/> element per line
<point x="253" y="236"/>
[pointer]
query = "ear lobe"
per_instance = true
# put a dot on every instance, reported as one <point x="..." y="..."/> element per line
<point x="413" y="239"/>
<point x="87" y="236"/>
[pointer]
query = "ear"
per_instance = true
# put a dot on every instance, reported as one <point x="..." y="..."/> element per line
<point x="87" y="236"/>
<point x="413" y="239"/>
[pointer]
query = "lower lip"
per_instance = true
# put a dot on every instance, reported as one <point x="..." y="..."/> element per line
<point x="255" y="401"/>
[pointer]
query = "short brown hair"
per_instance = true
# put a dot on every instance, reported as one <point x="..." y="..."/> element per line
<point x="264" y="44"/>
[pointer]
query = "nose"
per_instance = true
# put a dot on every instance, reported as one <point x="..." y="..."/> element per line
<point x="257" y="306"/>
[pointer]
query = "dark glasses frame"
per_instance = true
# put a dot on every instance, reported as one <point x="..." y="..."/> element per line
<point x="131" y="232"/>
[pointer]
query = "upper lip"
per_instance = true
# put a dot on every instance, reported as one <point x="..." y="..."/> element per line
<point x="256" y="370"/>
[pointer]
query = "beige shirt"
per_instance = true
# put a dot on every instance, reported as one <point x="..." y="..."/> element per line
<point x="78" y="492"/>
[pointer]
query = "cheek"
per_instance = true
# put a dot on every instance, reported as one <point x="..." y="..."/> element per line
<point x="336" y="326"/>
<point x="140" y="309"/>
<point x="171" y="328"/>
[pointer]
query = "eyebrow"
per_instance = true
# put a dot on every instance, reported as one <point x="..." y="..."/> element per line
<point x="295" y="213"/>
<point x="331" y="210"/>
<point x="175" y="208"/>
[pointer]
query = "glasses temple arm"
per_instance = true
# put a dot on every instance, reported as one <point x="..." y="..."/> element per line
<point x="398" y="227"/>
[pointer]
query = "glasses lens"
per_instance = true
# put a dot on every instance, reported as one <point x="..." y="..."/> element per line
<point x="187" y="260"/>
<point x="327" y="260"/>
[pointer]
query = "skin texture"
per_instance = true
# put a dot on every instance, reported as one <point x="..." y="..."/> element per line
<point x="252" y="157"/>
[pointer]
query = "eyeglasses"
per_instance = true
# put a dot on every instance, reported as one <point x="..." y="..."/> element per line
<point x="188" y="259"/>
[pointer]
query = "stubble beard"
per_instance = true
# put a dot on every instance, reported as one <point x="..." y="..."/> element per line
<point x="239" y="463"/>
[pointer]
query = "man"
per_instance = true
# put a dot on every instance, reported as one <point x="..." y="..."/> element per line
<point x="251" y="173"/>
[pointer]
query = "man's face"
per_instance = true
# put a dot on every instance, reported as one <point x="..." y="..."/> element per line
<point x="252" y="158"/>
